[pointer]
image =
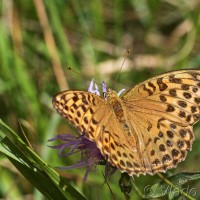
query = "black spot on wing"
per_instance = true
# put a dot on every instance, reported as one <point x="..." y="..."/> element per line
<point x="147" y="90"/>
<point x="162" y="86"/>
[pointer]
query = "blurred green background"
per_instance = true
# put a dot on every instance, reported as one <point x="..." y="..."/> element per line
<point x="40" y="39"/>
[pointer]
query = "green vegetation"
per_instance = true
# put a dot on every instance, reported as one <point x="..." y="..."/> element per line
<point x="39" y="40"/>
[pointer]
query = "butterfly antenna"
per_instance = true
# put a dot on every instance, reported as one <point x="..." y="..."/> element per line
<point x="125" y="57"/>
<point x="69" y="68"/>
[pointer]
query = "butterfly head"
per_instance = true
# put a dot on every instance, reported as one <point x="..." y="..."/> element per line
<point x="110" y="94"/>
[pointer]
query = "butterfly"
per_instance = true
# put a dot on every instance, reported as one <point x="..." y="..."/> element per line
<point x="147" y="130"/>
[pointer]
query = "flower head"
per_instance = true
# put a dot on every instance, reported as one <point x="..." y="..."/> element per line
<point x="90" y="154"/>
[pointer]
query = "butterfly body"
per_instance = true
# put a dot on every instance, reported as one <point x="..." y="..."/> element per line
<point x="147" y="130"/>
<point x="118" y="107"/>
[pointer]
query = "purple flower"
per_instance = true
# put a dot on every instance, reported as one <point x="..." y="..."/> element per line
<point x="90" y="154"/>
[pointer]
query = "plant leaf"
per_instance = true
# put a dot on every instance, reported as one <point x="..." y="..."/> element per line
<point x="34" y="168"/>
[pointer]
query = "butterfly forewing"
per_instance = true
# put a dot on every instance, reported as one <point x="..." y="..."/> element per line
<point x="83" y="109"/>
<point x="148" y="130"/>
